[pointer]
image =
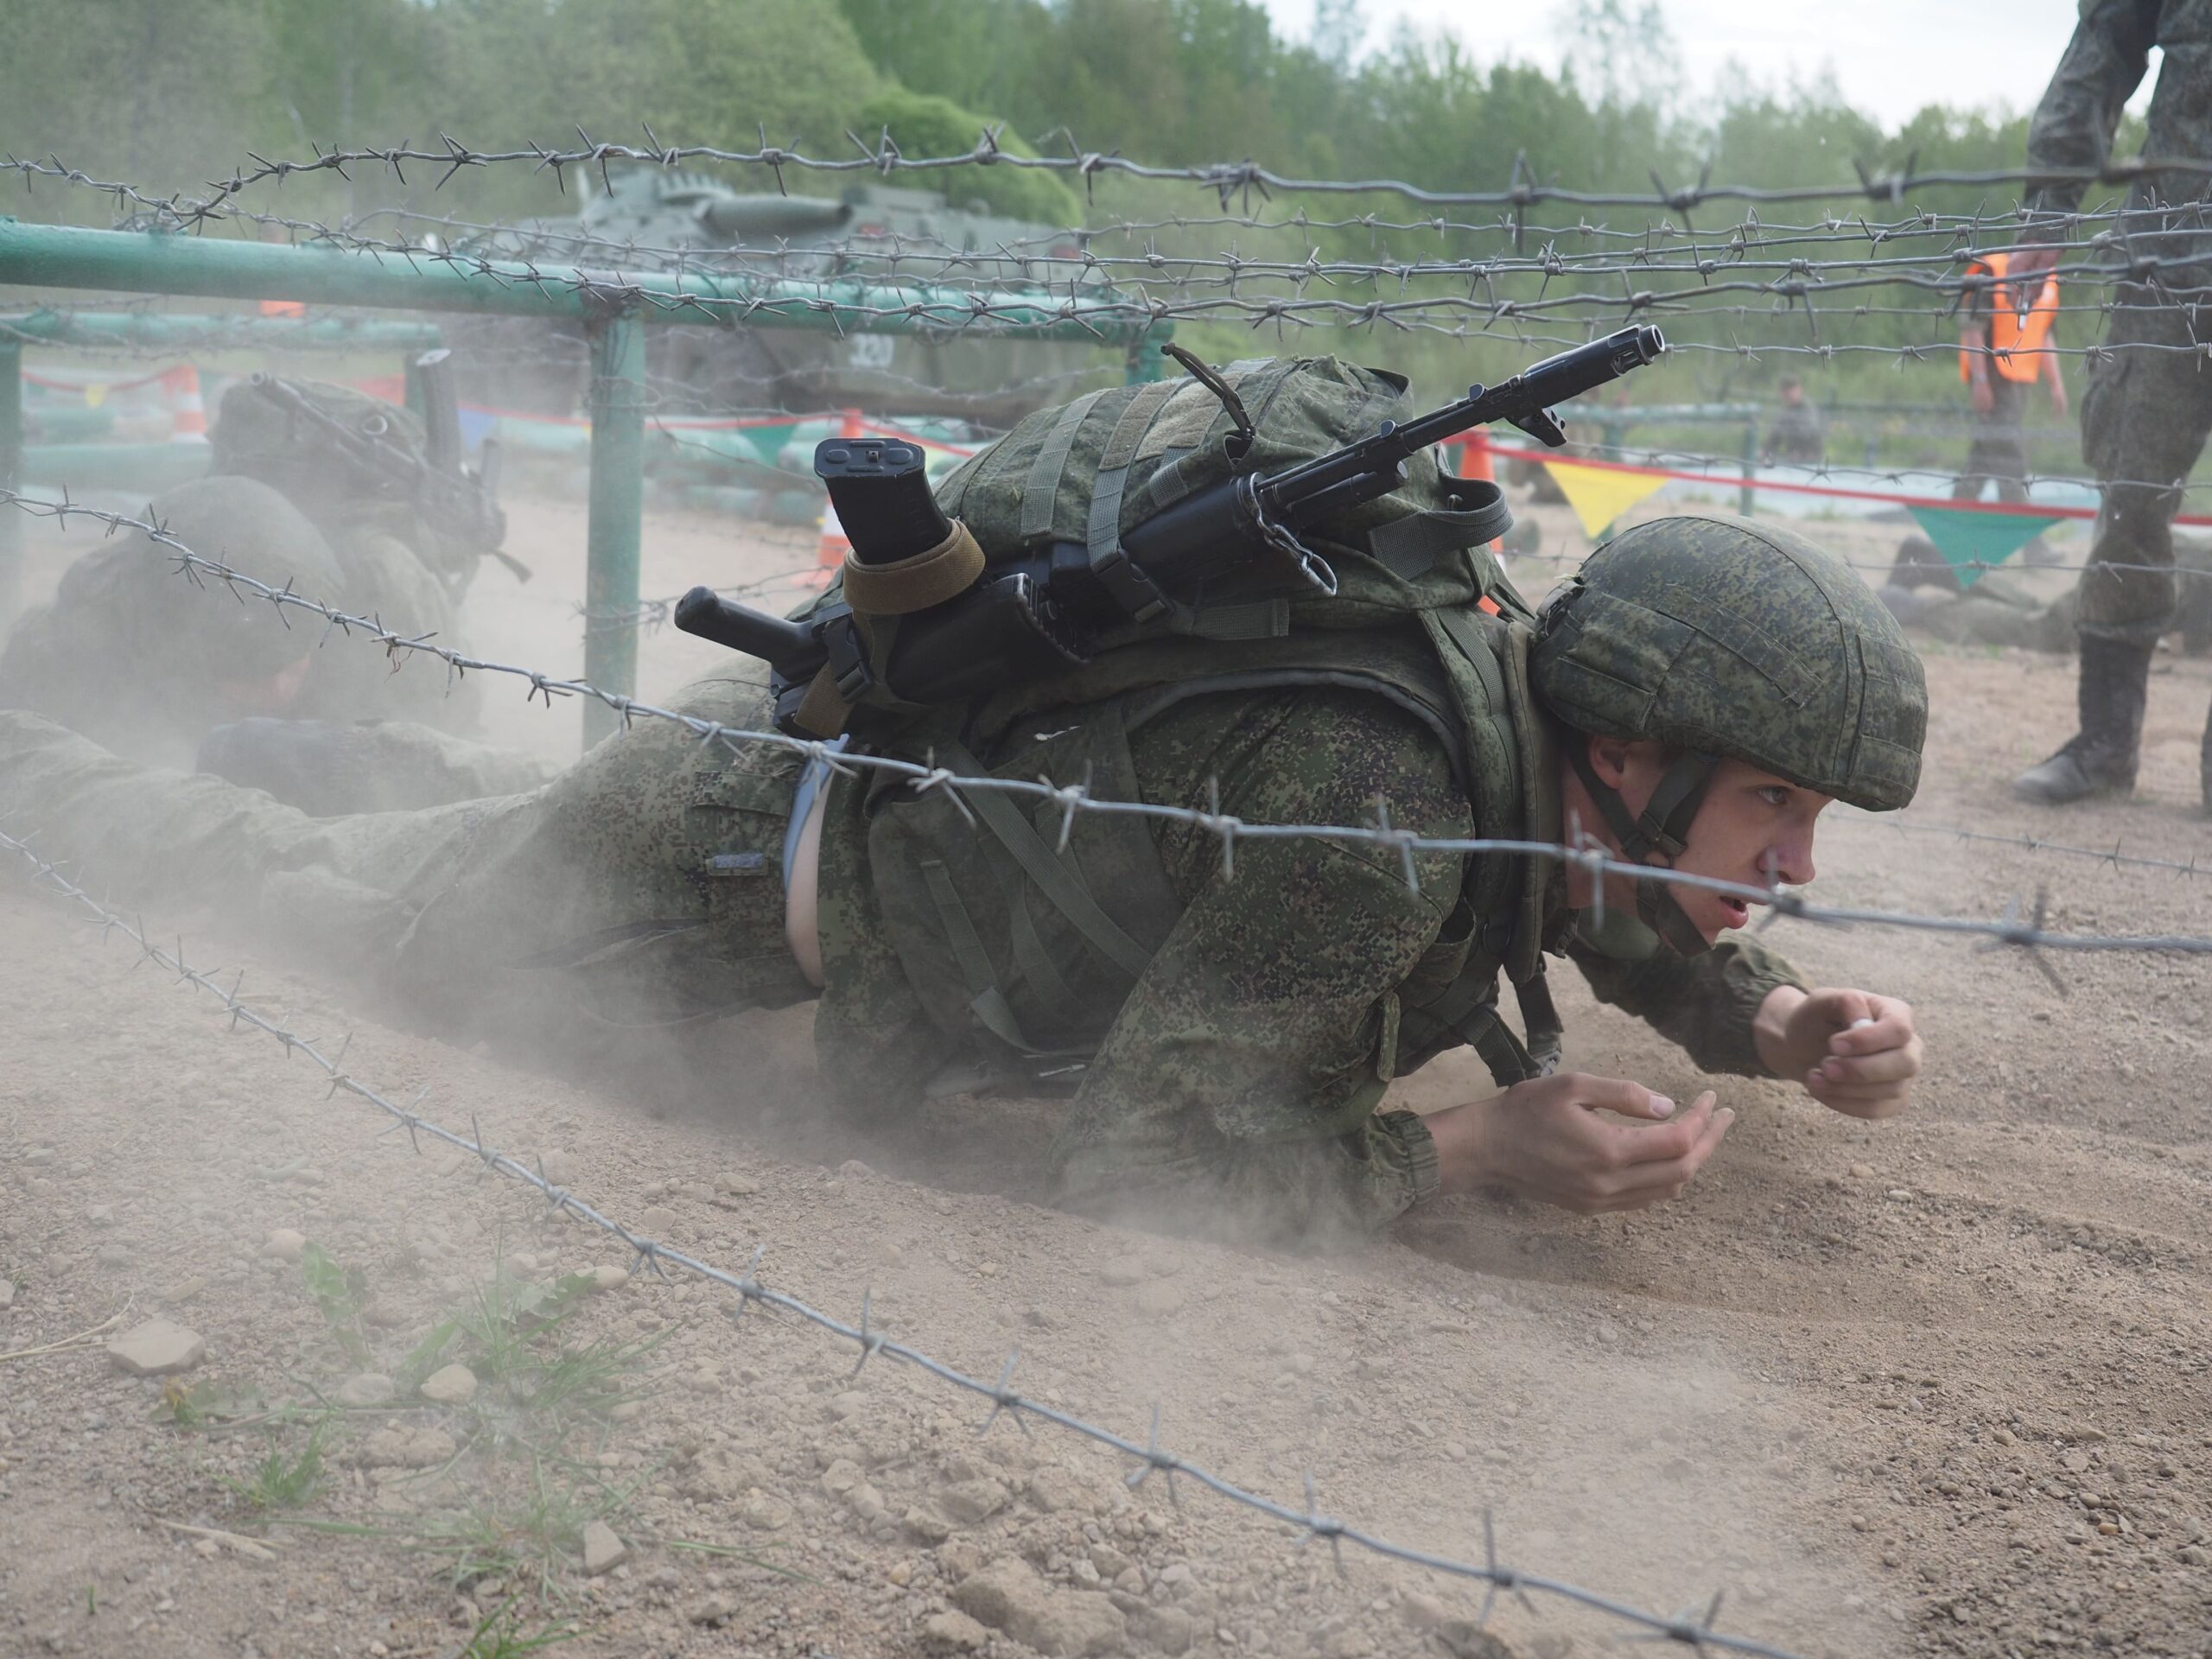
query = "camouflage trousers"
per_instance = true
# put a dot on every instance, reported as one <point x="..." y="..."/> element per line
<point x="2144" y="417"/>
<point x="642" y="887"/>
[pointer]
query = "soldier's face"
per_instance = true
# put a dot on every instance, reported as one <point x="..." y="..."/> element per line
<point x="1752" y="828"/>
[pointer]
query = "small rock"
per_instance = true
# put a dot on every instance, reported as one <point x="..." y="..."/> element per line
<point x="848" y="1404"/>
<point x="1422" y="1610"/>
<point x="101" y="1215"/>
<point x="764" y="1512"/>
<point x="1169" y="1629"/>
<point x="7" y="1293"/>
<point x="369" y="1388"/>
<point x="286" y="1244"/>
<point x="955" y="1630"/>
<point x="558" y="1167"/>
<point x="449" y="1385"/>
<point x="38" y="1156"/>
<point x="1463" y="1639"/>
<point x="969" y="1502"/>
<point x="609" y="1278"/>
<point x="113" y="1256"/>
<point x="900" y="1573"/>
<point x="1053" y="1489"/>
<point x="842" y="1477"/>
<point x="1009" y="1596"/>
<point x="1124" y="1270"/>
<point x="603" y="1551"/>
<point x="658" y="1221"/>
<point x="731" y="1184"/>
<point x="157" y="1348"/>
<point x="1863" y="1171"/>
<point x="926" y="1526"/>
<point x="2004" y="1437"/>
<point x="714" y="1610"/>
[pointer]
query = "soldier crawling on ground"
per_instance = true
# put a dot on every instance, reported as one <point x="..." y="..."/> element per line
<point x="1694" y="699"/>
<point x="157" y="664"/>
<point x="1924" y="593"/>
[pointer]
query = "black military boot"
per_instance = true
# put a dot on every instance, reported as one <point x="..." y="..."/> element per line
<point x="2099" y="759"/>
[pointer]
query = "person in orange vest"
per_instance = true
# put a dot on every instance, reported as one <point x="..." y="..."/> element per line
<point x="2005" y="349"/>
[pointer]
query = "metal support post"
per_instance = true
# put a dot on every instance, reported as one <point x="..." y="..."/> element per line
<point x="1751" y="467"/>
<point x="11" y="475"/>
<point x="617" y="518"/>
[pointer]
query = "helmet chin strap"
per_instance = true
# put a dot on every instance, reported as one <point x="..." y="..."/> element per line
<point x="1660" y="831"/>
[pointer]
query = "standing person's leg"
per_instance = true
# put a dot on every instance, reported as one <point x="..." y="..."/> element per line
<point x="2007" y="444"/>
<point x="2145" y="416"/>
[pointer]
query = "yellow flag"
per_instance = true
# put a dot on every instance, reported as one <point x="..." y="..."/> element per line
<point x="1600" y="494"/>
<point x="95" y="394"/>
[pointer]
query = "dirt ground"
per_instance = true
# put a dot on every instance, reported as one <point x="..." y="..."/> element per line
<point x="1936" y="1385"/>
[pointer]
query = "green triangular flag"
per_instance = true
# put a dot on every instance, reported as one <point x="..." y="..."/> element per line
<point x="1972" y="542"/>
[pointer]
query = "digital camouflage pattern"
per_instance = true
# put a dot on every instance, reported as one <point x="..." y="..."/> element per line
<point x="146" y="658"/>
<point x="1234" y="1080"/>
<point x="138" y="656"/>
<point x="1728" y="636"/>
<point x="2145" y="412"/>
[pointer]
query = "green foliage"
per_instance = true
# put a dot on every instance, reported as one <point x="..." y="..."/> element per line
<point x="284" y="1479"/>
<point x="342" y="1293"/>
<point x="501" y="1635"/>
<point x="925" y="124"/>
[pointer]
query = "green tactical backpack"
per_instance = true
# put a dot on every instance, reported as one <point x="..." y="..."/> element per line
<point x="1422" y="615"/>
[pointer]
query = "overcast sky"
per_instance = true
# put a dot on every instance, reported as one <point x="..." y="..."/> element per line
<point x="1963" y="51"/>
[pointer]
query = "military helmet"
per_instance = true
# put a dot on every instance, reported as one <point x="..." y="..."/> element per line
<point x="241" y="522"/>
<point x="1718" y="635"/>
<point x="1721" y="638"/>
<point x="258" y="435"/>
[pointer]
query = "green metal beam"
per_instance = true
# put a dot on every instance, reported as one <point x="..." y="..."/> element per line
<point x="169" y="331"/>
<point x="11" y="458"/>
<point x="61" y="255"/>
<point x="616" y="528"/>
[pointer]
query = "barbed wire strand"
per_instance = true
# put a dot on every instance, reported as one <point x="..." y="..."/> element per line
<point x="1693" y="1629"/>
<point x="2029" y="935"/>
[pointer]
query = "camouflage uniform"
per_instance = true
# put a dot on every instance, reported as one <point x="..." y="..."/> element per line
<point x="1236" y="1072"/>
<point x="2147" y="407"/>
<point x="143" y="657"/>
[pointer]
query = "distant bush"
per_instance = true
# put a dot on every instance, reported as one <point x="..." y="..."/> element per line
<point x="925" y="124"/>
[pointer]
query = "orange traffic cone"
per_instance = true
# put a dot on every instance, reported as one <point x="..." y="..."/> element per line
<point x="187" y="409"/>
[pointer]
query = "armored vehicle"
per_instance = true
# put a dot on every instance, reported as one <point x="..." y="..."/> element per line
<point x="653" y="218"/>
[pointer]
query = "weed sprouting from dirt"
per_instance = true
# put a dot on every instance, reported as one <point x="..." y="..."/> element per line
<point x="284" y="1479"/>
<point x="499" y="1635"/>
<point x="342" y="1293"/>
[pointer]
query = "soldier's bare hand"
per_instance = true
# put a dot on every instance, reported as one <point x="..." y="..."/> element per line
<point x="1550" y="1140"/>
<point x="1856" y="1052"/>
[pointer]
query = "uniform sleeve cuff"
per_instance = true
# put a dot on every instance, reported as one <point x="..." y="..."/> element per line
<point x="1416" y="1149"/>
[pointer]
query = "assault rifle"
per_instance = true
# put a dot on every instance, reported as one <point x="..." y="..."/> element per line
<point x="1032" y="615"/>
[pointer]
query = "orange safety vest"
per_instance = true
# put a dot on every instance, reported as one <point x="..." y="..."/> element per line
<point x="2018" y="340"/>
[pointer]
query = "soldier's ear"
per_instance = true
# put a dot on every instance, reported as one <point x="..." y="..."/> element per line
<point x="1609" y="758"/>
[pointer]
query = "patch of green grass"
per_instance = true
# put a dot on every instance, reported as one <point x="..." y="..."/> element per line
<point x="342" y="1293"/>
<point x="510" y="1331"/>
<point x="284" y="1479"/>
<point x="499" y="1635"/>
